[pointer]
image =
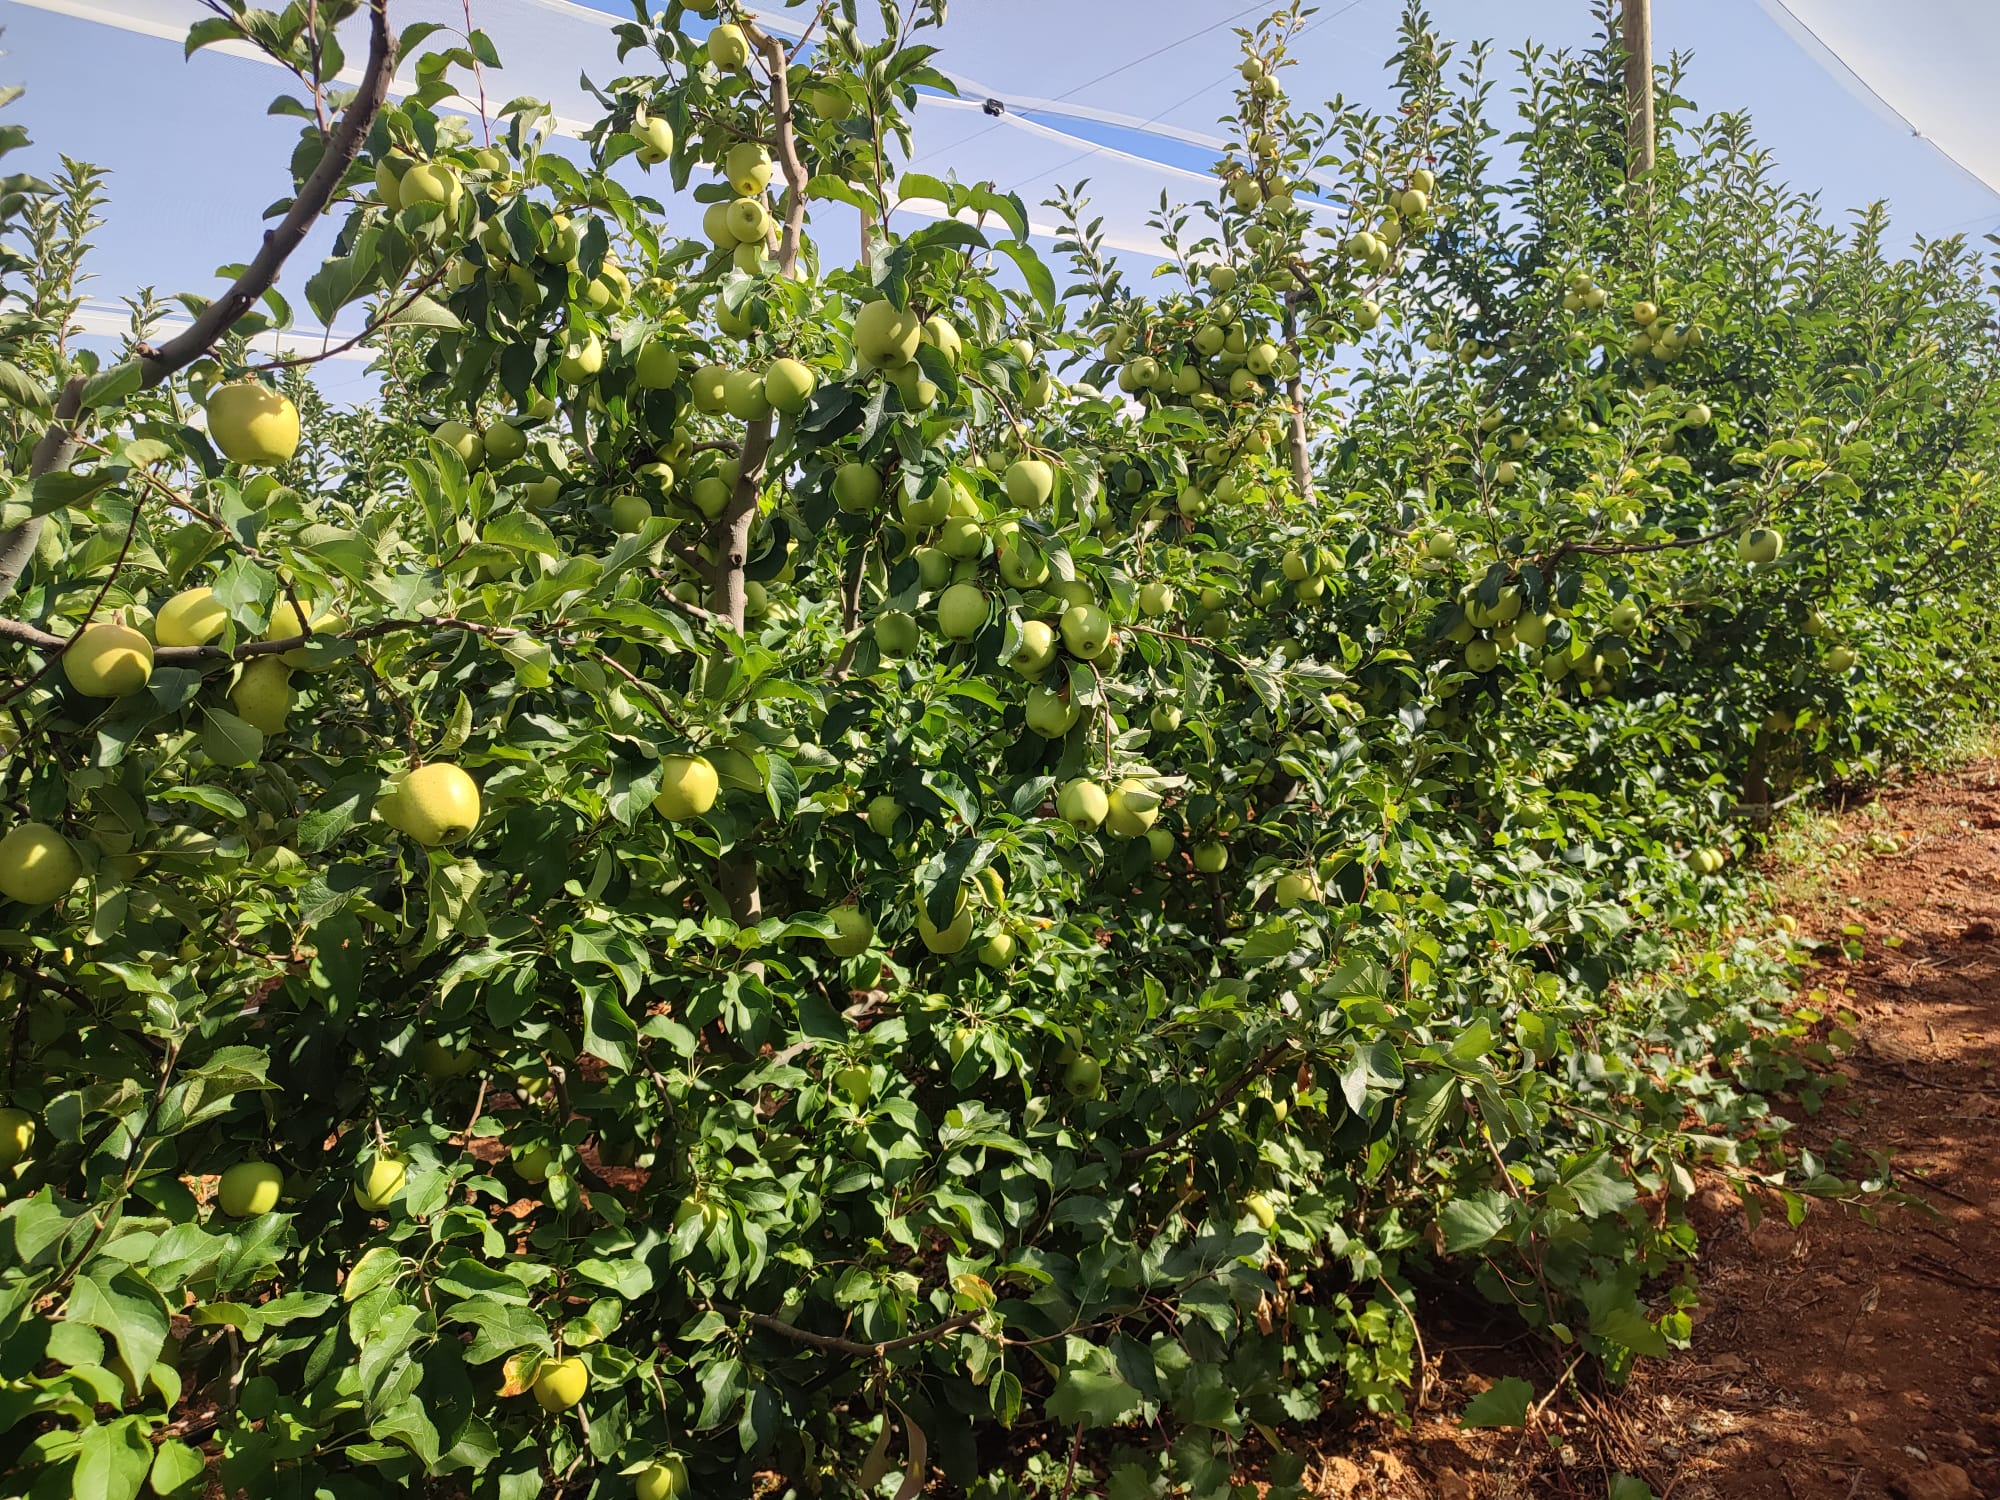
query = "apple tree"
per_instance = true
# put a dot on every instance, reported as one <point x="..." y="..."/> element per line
<point x="807" y="856"/>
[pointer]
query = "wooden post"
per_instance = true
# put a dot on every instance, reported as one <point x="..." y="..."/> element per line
<point x="1639" y="87"/>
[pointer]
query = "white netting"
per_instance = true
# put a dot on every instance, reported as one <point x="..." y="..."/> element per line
<point x="1123" y="93"/>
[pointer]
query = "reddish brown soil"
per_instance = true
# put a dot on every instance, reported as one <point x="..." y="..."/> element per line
<point x="1841" y="1360"/>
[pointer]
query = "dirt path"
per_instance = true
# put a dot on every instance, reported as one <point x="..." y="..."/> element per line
<point x="1839" y="1361"/>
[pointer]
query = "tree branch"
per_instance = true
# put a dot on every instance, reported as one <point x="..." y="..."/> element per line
<point x="840" y="1345"/>
<point x="57" y="447"/>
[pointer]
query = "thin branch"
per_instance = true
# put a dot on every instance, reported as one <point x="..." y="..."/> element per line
<point x="1271" y="1058"/>
<point x="57" y="447"/>
<point x="840" y="1345"/>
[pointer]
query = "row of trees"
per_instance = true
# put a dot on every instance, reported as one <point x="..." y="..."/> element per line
<point x="782" y="868"/>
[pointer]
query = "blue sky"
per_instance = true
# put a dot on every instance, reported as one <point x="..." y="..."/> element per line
<point x="194" y="159"/>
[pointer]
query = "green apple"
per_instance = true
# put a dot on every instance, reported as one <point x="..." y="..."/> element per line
<point x="747" y="166"/>
<point x="534" y="1163"/>
<point x="1160" y="844"/>
<point x="17" y="1137"/>
<point x="1051" y="714"/>
<point x="1295" y="888"/>
<point x="657" y="366"/>
<point x="853" y="930"/>
<point x="857" y="487"/>
<point x="561" y="1383"/>
<point x="250" y="1188"/>
<point x="1083" y="804"/>
<point x="688" y="787"/>
<point x="1760" y="546"/>
<point x="1037" y="649"/>
<point x="380" y="1182"/>
<point x="884" y="812"/>
<point x="1131" y="808"/>
<point x="1211" y="856"/>
<point x="1029" y="483"/>
<point x="108" y="660"/>
<point x="665" y="1479"/>
<point x="1084" y="1077"/>
<point x="253" y="424"/>
<point x="895" y="633"/>
<point x="949" y="939"/>
<point x="1086" y="631"/>
<point x="999" y="950"/>
<point x="630" y="513"/>
<point x="886" y="335"/>
<point x="961" y="611"/>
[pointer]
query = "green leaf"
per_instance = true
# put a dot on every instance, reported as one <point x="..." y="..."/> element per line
<point x="1090" y="1391"/>
<point x="112" y="1460"/>
<point x="1471" y="1222"/>
<point x="128" y="1309"/>
<point x="1041" y="282"/>
<point x="19" y="388"/>
<point x="422" y="311"/>
<point x="178" y="1470"/>
<point x="1503" y="1404"/>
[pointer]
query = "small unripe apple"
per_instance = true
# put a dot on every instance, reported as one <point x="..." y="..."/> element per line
<point x="504" y="443"/>
<point x="1037" y="649"/>
<point x="1841" y="658"/>
<point x="534" y="1163"/>
<point x="948" y="939"/>
<point x="789" y="385"/>
<point x="250" y="1188"/>
<point x="1211" y="857"/>
<point x="1050" y="712"/>
<point x="262" y="696"/>
<point x="1626" y="617"/>
<point x="743" y="396"/>
<point x="630" y="513"/>
<point x="1084" y="1077"/>
<point x="37" y="865"/>
<point x="1131" y="808"/>
<point x="1160" y="844"/>
<point x="1295" y="888"/>
<point x="999" y="950"/>
<point x="857" y="487"/>
<point x="580" y="360"/>
<point x="748" y="168"/>
<point x="1086" y="631"/>
<point x="1760" y="545"/>
<point x="1259" y="1208"/>
<point x="895" y="633"/>
<point x="666" y="1479"/>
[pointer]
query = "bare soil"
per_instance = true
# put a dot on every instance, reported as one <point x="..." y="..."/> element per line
<point x="1841" y="1360"/>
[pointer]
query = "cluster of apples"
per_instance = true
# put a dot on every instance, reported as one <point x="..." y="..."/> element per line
<point x="1374" y="245"/>
<point x="1486" y="633"/>
<point x="433" y="804"/>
